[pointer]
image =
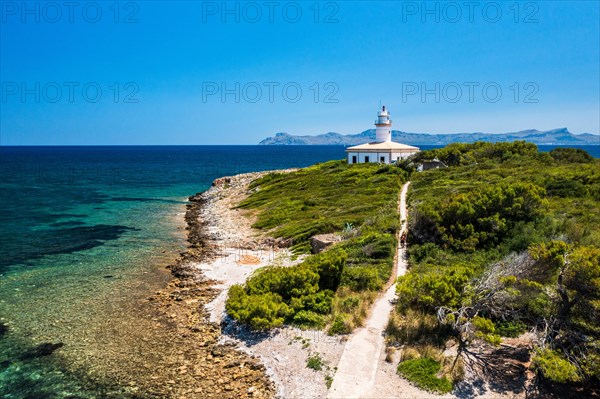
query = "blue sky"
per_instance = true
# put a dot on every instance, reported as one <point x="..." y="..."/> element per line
<point x="152" y="72"/>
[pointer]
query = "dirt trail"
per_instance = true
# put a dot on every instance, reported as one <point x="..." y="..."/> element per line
<point x="357" y="368"/>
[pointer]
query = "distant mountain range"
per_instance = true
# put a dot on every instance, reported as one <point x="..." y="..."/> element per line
<point x="550" y="137"/>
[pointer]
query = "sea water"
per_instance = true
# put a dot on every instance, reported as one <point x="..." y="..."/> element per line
<point x="85" y="234"/>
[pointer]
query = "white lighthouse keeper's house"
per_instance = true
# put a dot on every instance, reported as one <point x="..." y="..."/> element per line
<point x="383" y="149"/>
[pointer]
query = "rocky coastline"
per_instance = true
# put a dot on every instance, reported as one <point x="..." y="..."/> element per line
<point x="207" y="368"/>
<point x="235" y="251"/>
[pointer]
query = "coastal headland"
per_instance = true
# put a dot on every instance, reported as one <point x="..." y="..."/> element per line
<point x="241" y="215"/>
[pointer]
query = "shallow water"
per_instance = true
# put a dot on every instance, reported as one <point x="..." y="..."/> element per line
<point x="86" y="233"/>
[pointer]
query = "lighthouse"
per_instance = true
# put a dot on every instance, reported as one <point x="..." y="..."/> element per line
<point x="383" y="124"/>
<point x="383" y="150"/>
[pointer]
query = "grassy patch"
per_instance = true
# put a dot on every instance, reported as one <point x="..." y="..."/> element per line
<point x="328" y="380"/>
<point x="422" y="372"/>
<point x="326" y="198"/>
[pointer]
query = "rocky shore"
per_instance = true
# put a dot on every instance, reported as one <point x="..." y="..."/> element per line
<point x="234" y="251"/>
<point x="206" y="368"/>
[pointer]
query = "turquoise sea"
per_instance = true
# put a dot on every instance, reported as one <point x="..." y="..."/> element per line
<point x="85" y="233"/>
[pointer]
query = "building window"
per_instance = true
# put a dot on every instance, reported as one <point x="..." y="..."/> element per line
<point x="382" y="159"/>
<point x="353" y="158"/>
<point x="366" y="159"/>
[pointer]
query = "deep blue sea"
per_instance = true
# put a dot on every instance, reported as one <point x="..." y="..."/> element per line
<point x="85" y="232"/>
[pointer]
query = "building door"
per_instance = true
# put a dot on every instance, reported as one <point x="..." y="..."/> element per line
<point x="366" y="159"/>
<point x="353" y="158"/>
<point x="382" y="159"/>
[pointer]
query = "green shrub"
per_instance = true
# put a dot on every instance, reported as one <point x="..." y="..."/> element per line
<point x="461" y="154"/>
<point x="553" y="366"/>
<point x="275" y="295"/>
<point x="329" y="265"/>
<point x="361" y="278"/>
<point x="523" y="234"/>
<point x="349" y="303"/>
<point x="510" y="329"/>
<point x="319" y="302"/>
<point x="378" y="246"/>
<point x="486" y="330"/>
<point x="423" y="253"/>
<point x="484" y="325"/>
<point x="309" y="319"/>
<point x="341" y="325"/>
<point x="259" y="311"/>
<point x="565" y="187"/>
<point x="287" y="282"/>
<point x="428" y="290"/>
<point x="315" y="362"/>
<point x="422" y="372"/>
<point x="570" y="155"/>
<point x="478" y="219"/>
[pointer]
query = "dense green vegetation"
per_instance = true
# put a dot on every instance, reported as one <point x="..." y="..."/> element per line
<point x="300" y="294"/>
<point x="333" y="288"/>
<point x="505" y="240"/>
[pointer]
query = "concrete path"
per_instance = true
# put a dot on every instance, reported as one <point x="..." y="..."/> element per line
<point x="356" y="370"/>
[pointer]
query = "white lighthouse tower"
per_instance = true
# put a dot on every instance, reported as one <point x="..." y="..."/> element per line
<point x="383" y="124"/>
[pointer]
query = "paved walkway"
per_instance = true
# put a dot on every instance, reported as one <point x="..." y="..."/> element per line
<point x="355" y="375"/>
